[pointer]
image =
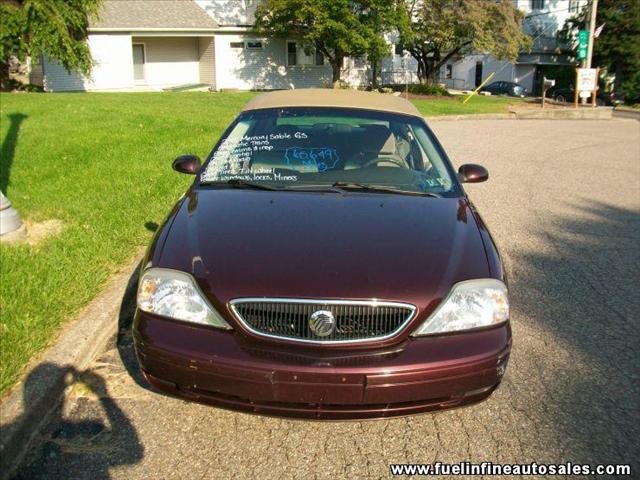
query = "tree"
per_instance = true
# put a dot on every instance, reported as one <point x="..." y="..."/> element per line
<point x="382" y="16"/>
<point x="335" y="28"/>
<point x="617" y="48"/>
<point x="441" y="29"/>
<point x="54" y="28"/>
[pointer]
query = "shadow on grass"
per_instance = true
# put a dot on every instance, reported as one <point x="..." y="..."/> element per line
<point x="8" y="149"/>
<point x="151" y="226"/>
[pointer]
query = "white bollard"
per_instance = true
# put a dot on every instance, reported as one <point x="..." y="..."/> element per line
<point x="10" y="221"/>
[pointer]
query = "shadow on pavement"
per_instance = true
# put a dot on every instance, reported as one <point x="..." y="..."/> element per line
<point x="85" y="448"/>
<point x="583" y="291"/>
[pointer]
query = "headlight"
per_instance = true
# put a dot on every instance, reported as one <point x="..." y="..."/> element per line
<point x="175" y="294"/>
<point x="470" y="304"/>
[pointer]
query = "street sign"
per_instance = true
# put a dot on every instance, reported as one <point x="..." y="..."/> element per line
<point x="587" y="79"/>
<point x="586" y="84"/>
<point x="583" y="44"/>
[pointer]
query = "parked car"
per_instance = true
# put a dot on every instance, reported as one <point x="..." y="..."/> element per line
<point x="325" y="263"/>
<point x="511" y="89"/>
<point x="568" y="95"/>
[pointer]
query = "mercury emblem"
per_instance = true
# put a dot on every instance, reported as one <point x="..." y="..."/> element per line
<point x="322" y="323"/>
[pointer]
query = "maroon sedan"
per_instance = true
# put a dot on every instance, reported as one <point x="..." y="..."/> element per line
<point x="325" y="263"/>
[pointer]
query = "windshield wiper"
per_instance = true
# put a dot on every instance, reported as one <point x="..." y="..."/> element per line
<point x="384" y="189"/>
<point x="315" y="188"/>
<point x="239" y="183"/>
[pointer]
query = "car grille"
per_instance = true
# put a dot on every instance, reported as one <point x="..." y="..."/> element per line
<point x="354" y="321"/>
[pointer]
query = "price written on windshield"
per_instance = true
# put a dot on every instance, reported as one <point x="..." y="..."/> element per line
<point x="324" y="158"/>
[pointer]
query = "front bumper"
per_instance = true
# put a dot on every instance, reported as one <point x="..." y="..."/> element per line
<point x="224" y="369"/>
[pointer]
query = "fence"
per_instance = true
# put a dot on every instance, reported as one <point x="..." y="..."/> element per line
<point x="398" y="77"/>
<point x="454" y="83"/>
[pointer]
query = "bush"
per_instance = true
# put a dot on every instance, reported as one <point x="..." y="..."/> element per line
<point x="435" y="90"/>
<point x="630" y="88"/>
<point x="419" y="89"/>
<point x="342" y="85"/>
<point x="30" y="87"/>
<point x="17" y="86"/>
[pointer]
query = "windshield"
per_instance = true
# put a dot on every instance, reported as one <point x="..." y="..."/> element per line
<point x="298" y="148"/>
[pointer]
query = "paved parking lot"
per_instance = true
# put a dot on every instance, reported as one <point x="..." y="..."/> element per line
<point x="563" y="203"/>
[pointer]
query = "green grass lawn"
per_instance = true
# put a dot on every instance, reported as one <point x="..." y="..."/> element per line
<point x="454" y="106"/>
<point x="100" y="163"/>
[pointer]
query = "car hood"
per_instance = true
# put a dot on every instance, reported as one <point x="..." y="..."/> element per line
<point x="246" y="243"/>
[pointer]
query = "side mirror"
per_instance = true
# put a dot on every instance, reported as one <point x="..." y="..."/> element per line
<point x="189" y="164"/>
<point x="472" y="173"/>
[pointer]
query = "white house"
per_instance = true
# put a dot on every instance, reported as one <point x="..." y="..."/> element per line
<point x="543" y="19"/>
<point x="155" y="44"/>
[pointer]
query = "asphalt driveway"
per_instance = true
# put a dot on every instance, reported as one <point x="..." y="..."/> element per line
<point x="563" y="203"/>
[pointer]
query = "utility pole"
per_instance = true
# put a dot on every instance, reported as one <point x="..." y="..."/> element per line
<point x="592" y="29"/>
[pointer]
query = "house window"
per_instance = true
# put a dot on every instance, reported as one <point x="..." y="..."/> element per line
<point x="399" y="49"/>
<point x="292" y="54"/>
<point x="536" y="4"/>
<point x="448" y="72"/>
<point x="574" y="6"/>
<point x="236" y="44"/>
<point x="296" y="55"/>
<point x="254" y="45"/>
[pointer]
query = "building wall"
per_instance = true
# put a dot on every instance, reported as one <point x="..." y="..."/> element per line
<point x="239" y="68"/>
<point x="525" y="74"/>
<point x="207" y="60"/>
<point x="230" y="12"/>
<point x="551" y="17"/>
<point x="36" y="72"/>
<point x="113" y="67"/>
<point x="170" y="60"/>
<point x="267" y="69"/>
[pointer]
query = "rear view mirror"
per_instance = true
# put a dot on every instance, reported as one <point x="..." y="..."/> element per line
<point x="472" y="173"/>
<point x="189" y="164"/>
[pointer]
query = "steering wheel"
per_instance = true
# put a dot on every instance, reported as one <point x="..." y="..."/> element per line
<point x="394" y="161"/>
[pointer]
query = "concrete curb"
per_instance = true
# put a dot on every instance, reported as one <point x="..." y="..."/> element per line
<point x="600" y="113"/>
<point x="476" y="116"/>
<point x="584" y="113"/>
<point x="29" y="404"/>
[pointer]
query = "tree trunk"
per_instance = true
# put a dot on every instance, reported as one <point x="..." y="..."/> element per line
<point x="336" y="67"/>
<point x="433" y="65"/>
<point x="434" y="76"/>
<point x="374" y="74"/>
<point x="426" y="72"/>
<point x="4" y="75"/>
<point x="422" y="76"/>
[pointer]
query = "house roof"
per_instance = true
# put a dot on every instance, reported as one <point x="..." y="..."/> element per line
<point x="324" y="97"/>
<point x="152" y="14"/>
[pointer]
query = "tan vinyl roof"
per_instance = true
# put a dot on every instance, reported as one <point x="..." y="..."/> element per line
<point x="153" y="14"/>
<point x="325" y="97"/>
